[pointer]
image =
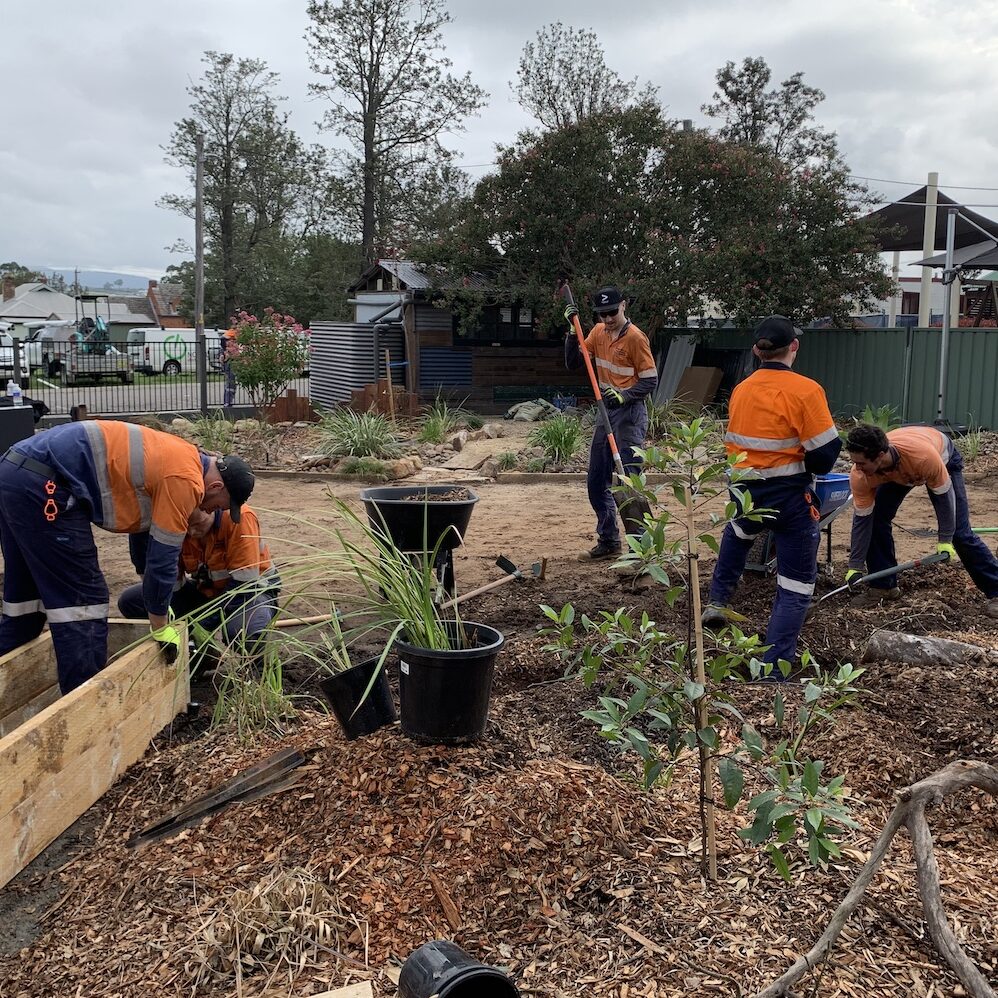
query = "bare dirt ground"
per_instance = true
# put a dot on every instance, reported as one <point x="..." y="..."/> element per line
<point x="539" y="835"/>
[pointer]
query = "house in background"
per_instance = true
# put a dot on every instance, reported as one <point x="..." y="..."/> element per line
<point x="165" y="300"/>
<point x="505" y="357"/>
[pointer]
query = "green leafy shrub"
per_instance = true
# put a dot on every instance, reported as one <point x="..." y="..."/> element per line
<point x="884" y="416"/>
<point x="364" y="466"/>
<point x="560" y="436"/>
<point x="269" y="354"/>
<point x="345" y="433"/>
<point x="535" y="465"/>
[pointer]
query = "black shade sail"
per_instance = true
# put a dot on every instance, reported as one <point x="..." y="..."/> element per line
<point x="908" y="214"/>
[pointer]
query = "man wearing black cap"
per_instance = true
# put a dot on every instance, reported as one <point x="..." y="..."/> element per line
<point x="126" y="479"/>
<point x="627" y="373"/>
<point x="779" y="421"/>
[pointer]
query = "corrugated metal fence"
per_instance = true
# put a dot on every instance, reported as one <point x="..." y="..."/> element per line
<point x="897" y="367"/>
<point x="343" y="358"/>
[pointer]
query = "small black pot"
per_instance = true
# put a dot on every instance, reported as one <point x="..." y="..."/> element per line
<point x="345" y="690"/>
<point x="444" y="695"/>
<point x="444" y="970"/>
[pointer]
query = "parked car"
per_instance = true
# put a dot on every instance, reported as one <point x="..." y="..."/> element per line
<point x="7" y="357"/>
<point x="169" y="351"/>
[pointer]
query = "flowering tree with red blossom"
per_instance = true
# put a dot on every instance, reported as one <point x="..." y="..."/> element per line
<point x="269" y="354"/>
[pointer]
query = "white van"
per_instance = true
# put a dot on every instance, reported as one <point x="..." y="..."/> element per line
<point x="169" y="351"/>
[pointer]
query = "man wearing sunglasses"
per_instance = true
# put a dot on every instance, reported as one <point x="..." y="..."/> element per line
<point x="627" y="373"/>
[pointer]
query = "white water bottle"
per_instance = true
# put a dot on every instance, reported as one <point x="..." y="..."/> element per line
<point x="10" y="390"/>
<point x="18" y="395"/>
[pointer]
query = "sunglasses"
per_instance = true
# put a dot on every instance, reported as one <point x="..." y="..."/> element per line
<point x="604" y="314"/>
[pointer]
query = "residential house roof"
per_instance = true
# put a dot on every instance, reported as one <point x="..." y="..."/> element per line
<point x="417" y="277"/>
<point x="39" y="301"/>
<point x="138" y="306"/>
<point x="166" y="298"/>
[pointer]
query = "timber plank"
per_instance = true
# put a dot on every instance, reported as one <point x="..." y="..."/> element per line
<point x="138" y="694"/>
<point x="26" y="711"/>
<point x="25" y="672"/>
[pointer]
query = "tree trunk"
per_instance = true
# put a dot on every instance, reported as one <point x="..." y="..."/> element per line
<point x="369" y="221"/>
<point x="892" y="646"/>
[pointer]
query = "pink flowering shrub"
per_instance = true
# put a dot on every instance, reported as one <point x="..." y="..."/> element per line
<point x="268" y="354"/>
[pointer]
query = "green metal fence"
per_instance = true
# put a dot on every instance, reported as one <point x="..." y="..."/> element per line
<point x="897" y="367"/>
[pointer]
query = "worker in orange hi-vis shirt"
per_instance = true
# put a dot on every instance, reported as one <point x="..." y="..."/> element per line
<point x="780" y="421"/>
<point x="626" y="370"/>
<point x="886" y="467"/>
<point x="126" y="479"/>
<point x="226" y="573"/>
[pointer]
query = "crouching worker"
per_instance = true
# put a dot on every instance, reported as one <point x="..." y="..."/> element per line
<point x="225" y="564"/>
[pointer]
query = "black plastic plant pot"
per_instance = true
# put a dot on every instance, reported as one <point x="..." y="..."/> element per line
<point x="444" y="695"/>
<point x="345" y="690"/>
<point x="412" y="516"/>
<point x="443" y="969"/>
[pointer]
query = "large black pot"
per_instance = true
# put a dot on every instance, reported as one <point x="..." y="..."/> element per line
<point x="441" y="969"/>
<point x="413" y="520"/>
<point x="345" y="693"/>
<point x="444" y="695"/>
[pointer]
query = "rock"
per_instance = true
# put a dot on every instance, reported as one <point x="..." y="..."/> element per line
<point x="181" y="424"/>
<point x="459" y="440"/>
<point x="246" y="425"/>
<point x="316" y="461"/>
<point x="417" y="464"/>
<point x="302" y="425"/>
<point x="493" y="431"/>
<point x="489" y="468"/>
<point x="403" y="467"/>
<point x="477" y="435"/>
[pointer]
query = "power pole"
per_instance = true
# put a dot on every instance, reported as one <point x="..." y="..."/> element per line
<point x="202" y="354"/>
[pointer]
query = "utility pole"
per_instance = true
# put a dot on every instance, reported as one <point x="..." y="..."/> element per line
<point x="199" y="343"/>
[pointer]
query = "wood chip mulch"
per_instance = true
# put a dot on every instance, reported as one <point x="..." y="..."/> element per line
<point x="535" y="851"/>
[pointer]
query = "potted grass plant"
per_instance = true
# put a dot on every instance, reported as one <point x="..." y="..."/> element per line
<point x="446" y="664"/>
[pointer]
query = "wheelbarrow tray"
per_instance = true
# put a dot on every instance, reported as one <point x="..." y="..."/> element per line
<point x="414" y="521"/>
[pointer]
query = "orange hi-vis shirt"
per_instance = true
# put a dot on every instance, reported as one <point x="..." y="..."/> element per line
<point x="922" y="455"/>
<point x="775" y="417"/>
<point x="622" y="360"/>
<point x="232" y="552"/>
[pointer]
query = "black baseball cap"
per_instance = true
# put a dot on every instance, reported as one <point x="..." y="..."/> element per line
<point x="777" y="331"/>
<point x="607" y="300"/>
<point x="239" y="481"/>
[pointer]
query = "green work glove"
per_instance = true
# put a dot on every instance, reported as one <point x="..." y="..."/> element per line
<point x="613" y="397"/>
<point x="852" y="574"/>
<point x="168" y="638"/>
<point x="946" y="549"/>
<point x="570" y="313"/>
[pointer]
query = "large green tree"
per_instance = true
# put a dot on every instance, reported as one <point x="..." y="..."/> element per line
<point x="688" y="223"/>
<point x="780" y="119"/>
<point x="261" y="183"/>
<point x="563" y="78"/>
<point x="381" y="66"/>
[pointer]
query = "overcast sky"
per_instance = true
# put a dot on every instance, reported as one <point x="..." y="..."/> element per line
<point x="93" y="89"/>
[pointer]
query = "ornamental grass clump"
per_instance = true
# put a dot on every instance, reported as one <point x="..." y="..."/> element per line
<point x="345" y="433"/>
<point x="560" y="437"/>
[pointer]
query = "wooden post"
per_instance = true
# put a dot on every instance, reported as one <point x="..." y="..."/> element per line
<point x="706" y="756"/>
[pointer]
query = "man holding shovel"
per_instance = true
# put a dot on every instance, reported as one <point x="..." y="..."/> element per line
<point x="626" y="370"/>
<point x="886" y="467"/>
<point x="781" y="423"/>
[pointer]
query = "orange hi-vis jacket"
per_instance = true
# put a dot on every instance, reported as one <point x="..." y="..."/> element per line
<point x="622" y="360"/>
<point x="920" y="455"/>
<point x="779" y="418"/>
<point x="231" y="553"/>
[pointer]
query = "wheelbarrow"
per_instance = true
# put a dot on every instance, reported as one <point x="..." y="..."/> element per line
<point x="834" y="496"/>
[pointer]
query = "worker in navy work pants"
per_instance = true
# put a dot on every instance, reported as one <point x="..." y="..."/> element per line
<point x="795" y="531"/>
<point x="56" y="576"/>
<point x="630" y="426"/>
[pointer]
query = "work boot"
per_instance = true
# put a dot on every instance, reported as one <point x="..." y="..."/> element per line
<point x="713" y="616"/>
<point x="601" y="551"/>
<point x="870" y="599"/>
<point x="992" y="608"/>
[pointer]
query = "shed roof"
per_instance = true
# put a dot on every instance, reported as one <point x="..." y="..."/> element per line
<point x="417" y="277"/>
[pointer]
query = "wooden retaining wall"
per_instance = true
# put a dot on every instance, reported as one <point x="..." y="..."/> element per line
<point x="58" y="755"/>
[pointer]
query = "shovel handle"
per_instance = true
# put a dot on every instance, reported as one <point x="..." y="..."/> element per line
<point x="566" y="294"/>
<point x="929" y="559"/>
<point x="481" y="589"/>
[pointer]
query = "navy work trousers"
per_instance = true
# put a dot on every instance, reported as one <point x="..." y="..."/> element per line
<point x="248" y="619"/>
<point x="51" y="571"/>
<point x="973" y="552"/>
<point x="629" y="424"/>
<point x="795" y="530"/>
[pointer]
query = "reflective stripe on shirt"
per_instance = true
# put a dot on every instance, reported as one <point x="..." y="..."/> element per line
<point x="760" y="443"/>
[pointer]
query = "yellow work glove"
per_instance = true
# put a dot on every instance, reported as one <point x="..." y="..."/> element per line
<point x="613" y="397"/>
<point x="852" y="574"/>
<point x="168" y="638"/>
<point x="947" y="549"/>
<point x="570" y="313"/>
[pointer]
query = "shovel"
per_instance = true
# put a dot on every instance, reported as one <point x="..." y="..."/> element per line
<point x="538" y="570"/>
<point x="633" y="507"/>
<point x="931" y="559"/>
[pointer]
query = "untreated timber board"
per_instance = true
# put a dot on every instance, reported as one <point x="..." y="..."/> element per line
<point x="59" y="762"/>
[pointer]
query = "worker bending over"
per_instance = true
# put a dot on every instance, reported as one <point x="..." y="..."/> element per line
<point x="781" y="421"/>
<point x="886" y="467"/>
<point x="627" y="374"/>
<point x="227" y="565"/>
<point x="124" y="478"/>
